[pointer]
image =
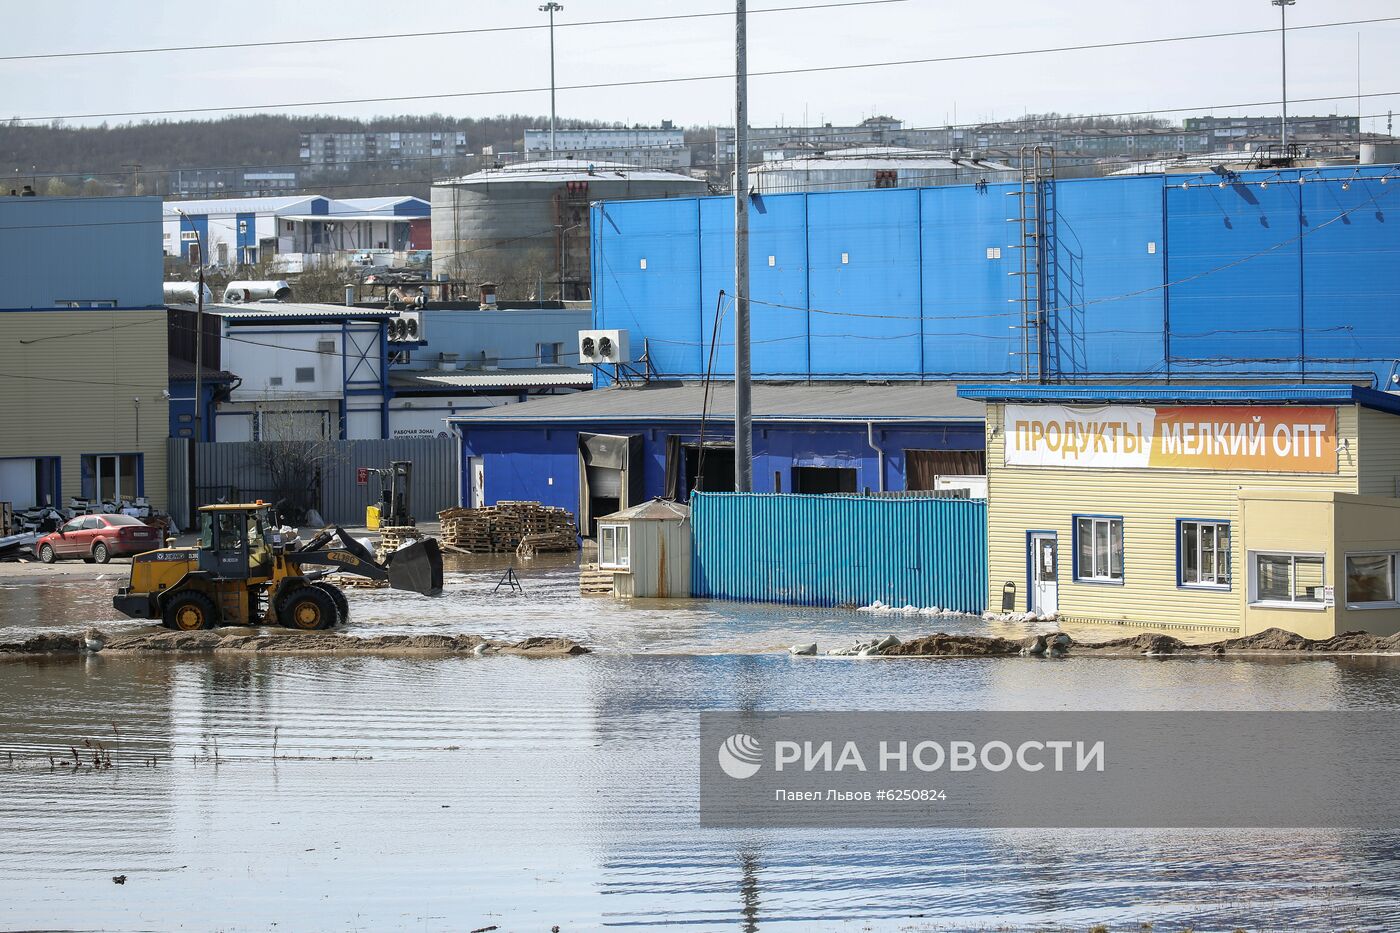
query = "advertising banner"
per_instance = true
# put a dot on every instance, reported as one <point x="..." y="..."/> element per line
<point x="1277" y="439"/>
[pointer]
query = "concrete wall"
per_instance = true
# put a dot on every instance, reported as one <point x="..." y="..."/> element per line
<point x="70" y="380"/>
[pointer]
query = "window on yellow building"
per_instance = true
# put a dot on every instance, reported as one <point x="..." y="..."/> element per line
<point x="1370" y="581"/>
<point x="1203" y="553"/>
<point x="1288" y="579"/>
<point x="1098" y="549"/>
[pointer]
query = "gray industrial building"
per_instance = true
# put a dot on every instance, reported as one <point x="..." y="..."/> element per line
<point x="321" y="152"/>
<point x="526" y="226"/>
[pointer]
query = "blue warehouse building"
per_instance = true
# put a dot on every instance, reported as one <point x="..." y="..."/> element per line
<point x="594" y="453"/>
<point x="1284" y="272"/>
<point x="867" y="306"/>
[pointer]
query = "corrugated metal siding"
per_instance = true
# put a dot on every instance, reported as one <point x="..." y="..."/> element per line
<point x="231" y="465"/>
<point x="177" y="459"/>
<point x="1023" y="499"/>
<point x="840" y="550"/>
<point x="1262" y="278"/>
<point x="1378" y="454"/>
<point x="72" y="381"/>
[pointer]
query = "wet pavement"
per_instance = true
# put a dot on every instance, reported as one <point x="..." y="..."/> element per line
<point x="458" y="793"/>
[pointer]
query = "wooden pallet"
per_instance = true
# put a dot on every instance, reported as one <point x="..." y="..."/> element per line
<point x="594" y="582"/>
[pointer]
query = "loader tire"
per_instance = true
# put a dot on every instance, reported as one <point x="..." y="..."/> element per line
<point x="342" y="605"/>
<point x="190" y="611"/>
<point x="308" y="609"/>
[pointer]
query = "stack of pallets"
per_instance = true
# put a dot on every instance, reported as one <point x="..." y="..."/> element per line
<point x="505" y="525"/>
<point x="393" y="537"/>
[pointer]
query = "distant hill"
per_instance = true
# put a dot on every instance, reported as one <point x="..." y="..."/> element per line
<point x="98" y="160"/>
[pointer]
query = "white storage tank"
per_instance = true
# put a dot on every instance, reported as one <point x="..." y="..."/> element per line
<point x="647" y="550"/>
<point x="526" y="226"/>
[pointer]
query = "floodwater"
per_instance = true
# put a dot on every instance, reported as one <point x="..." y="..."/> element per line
<point x="460" y="793"/>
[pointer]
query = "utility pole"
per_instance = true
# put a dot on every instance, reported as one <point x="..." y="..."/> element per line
<point x="198" y="370"/>
<point x="135" y="168"/>
<point x="743" y="380"/>
<point x="1283" y="6"/>
<point x="551" y="8"/>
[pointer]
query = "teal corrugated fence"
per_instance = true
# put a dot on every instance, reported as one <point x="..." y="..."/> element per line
<point x="840" y="550"/>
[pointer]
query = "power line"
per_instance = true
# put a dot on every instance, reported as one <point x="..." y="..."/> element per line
<point x="439" y="32"/>
<point x="642" y="82"/>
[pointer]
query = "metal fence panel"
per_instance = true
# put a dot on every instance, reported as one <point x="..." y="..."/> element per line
<point x="177" y="480"/>
<point x="841" y="550"/>
<point x="230" y="470"/>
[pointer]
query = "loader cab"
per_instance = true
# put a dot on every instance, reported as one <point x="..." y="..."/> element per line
<point x="235" y="541"/>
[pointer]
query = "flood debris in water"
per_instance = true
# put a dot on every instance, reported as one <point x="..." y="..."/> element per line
<point x="274" y="642"/>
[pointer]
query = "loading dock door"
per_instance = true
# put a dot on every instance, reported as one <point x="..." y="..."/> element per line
<point x="610" y="476"/>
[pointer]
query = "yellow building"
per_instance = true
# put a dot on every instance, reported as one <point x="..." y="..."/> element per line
<point x="84" y="362"/>
<point x="1227" y="509"/>
<point x="85" y="411"/>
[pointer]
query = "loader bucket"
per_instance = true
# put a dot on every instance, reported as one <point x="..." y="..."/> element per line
<point x="417" y="567"/>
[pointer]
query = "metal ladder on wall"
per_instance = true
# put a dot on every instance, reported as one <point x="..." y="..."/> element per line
<point x="1035" y="216"/>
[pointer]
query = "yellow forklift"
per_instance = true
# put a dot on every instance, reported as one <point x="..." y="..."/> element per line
<point x="244" y="573"/>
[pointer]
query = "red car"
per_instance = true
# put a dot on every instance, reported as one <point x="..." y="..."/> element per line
<point x="98" y="538"/>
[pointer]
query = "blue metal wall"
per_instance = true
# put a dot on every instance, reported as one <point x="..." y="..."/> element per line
<point x="80" y="249"/>
<point x="1295" y="272"/>
<point x="840" y="550"/>
<point x="541" y="462"/>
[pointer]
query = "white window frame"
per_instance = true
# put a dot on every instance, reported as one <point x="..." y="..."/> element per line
<point x="1300" y="604"/>
<point x="1223" y="557"/>
<point x="1091" y="574"/>
<point x="1394" y="581"/>
<point x="614" y="547"/>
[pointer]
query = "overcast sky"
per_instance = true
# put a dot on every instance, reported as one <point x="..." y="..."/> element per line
<point x="1192" y="74"/>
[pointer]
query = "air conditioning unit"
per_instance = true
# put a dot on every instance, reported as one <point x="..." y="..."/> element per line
<point x="408" y="326"/>
<point x="603" y="346"/>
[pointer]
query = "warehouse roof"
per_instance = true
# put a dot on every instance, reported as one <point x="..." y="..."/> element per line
<point x="283" y="311"/>
<point x="685" y="402"/>
<point x="244" y="205"/>
<point x="656" y="510"/>
<point x="1306" y="394"/>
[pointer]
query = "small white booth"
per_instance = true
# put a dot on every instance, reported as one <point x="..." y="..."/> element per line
<point x="647" y="550"/>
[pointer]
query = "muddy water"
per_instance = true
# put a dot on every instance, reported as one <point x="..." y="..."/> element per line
<point x="453" y="794"/>
<point x="549" y="605"/>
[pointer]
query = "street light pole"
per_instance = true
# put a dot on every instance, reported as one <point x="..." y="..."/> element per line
<point x="1283" y="6"/>
<point x="743" y="381"/>
<point x="198" y="367"/>
<point x="551" y="8"/>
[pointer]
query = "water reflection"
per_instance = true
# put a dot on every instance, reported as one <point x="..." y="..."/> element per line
<point x="463" y="792"/>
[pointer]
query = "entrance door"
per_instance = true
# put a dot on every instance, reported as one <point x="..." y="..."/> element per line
<point x="108" y="479"/>
<point x="477" y="468"/>
<point x="1045" y="581"/>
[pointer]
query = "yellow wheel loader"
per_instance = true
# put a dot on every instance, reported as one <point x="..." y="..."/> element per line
<point x="243" y="573"/>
